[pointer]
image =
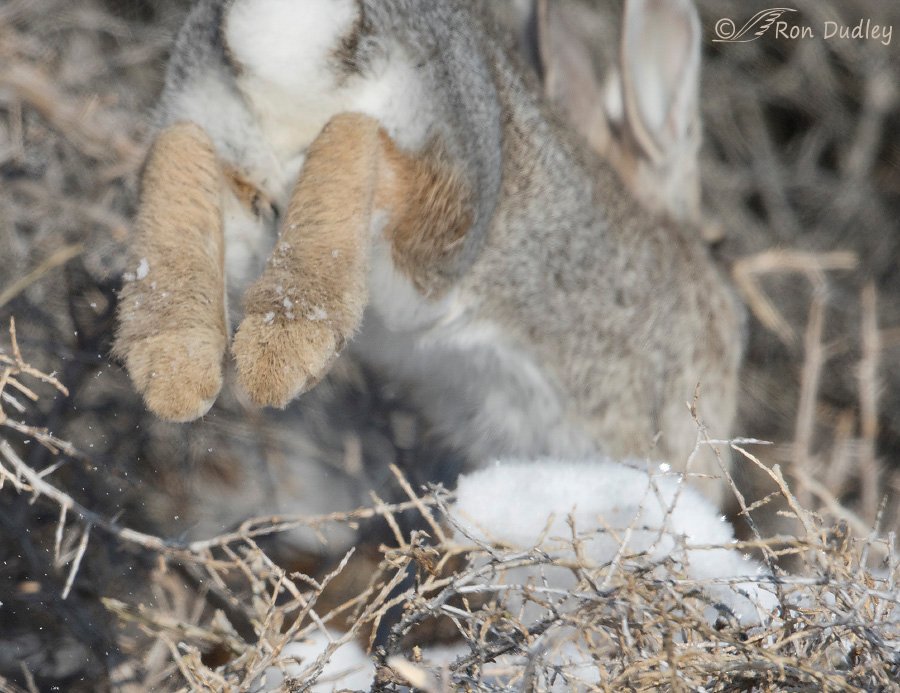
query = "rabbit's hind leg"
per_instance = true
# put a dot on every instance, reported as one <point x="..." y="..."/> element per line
<point x="172" y="325"/>
<point x="310" y="299"/>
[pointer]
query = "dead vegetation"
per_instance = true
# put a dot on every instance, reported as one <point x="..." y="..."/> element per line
<point x="801" y="168"/>
<point x="114" y="577"/>
<point x="218" y="614"/>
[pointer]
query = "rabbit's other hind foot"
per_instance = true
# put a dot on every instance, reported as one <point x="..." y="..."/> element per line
<point x="172" y="331"/>
<point x="178" y="373"/>
<point x="310" y="299"/>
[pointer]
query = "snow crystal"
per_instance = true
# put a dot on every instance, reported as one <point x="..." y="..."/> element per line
<point x="317" y="314"/>
<point x="143" y="269"/>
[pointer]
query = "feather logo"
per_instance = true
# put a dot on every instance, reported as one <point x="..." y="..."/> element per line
<point x="759" y="24"/>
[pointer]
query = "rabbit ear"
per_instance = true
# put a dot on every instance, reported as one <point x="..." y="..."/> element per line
<point x="660" y="63"/>
<point x="566" y="62"/>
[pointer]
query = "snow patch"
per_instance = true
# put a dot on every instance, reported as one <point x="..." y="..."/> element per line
<point x="348" y="668"/>
<point x="512" y="502"/>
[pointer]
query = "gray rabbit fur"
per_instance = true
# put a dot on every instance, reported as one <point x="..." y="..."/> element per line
<point x="555" y="315"/>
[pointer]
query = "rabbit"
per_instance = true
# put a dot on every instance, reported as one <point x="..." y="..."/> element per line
<point x="607" y="65"/>
<point x="434" y="215"/>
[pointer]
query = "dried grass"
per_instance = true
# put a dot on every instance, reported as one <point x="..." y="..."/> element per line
<point x="621" y="627"/>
